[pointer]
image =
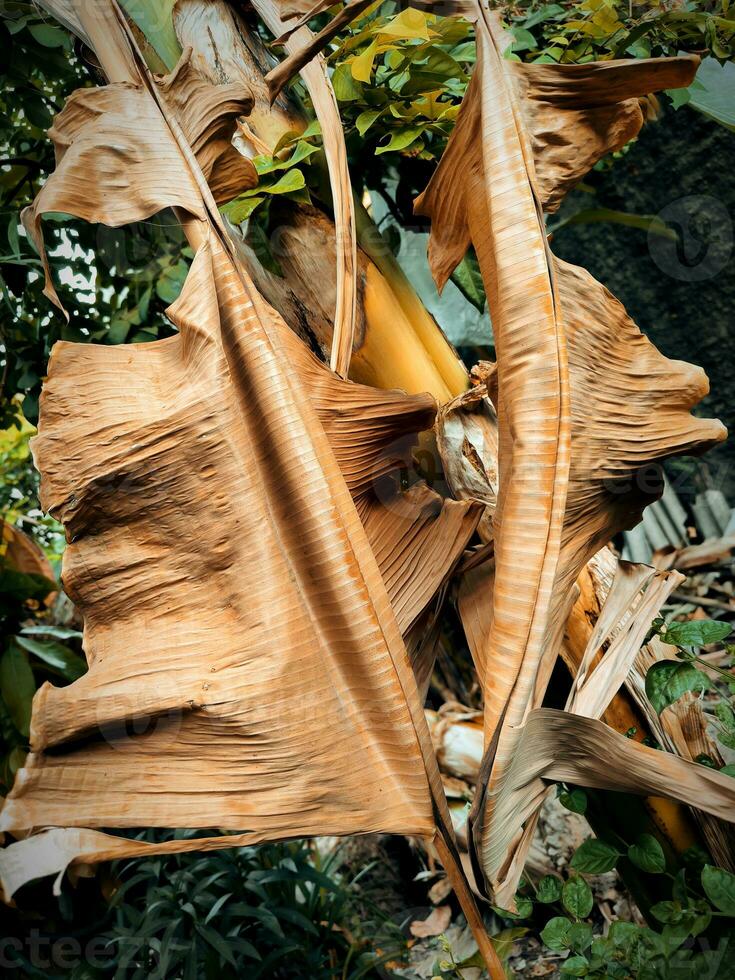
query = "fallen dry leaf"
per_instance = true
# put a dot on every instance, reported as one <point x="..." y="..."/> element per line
<point x="434" y="925"/>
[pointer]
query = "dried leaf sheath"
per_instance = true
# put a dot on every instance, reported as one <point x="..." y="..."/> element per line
<point x="260" y="642"/>
<point x="584" y="400"/>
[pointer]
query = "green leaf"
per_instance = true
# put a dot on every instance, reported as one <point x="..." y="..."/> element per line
<point x="346" y="88"/>
<point x="56" y="655"/>
<point x="719" y="887"/>
<point x="580" y="936"/>
<point x="58" y="632"/>
<point x="575" y="966"/>
<point x="649" y="223"/>
<point x="696" y="632"/>
<point x="171" y="280"/>
<point x="728" y="770"/>
<point x="48" y="35"/>
<point x="36" y="110"/>
<point x="674" y="935"/>
<point x="259" y="242"/>
<point x="155" y="19"/>
<point x="118" y="330"/>
<point x="549" y="889"/>
<point x="217" y="906"/>
<point x="574" y="800"/>
<point x="622" y="933"/>
<point x="549" y="11"/>
<point x="268" y="164"/>
<point x="713" y="92"/>
<point x="595" y="857"/>
<point x="292" y="180"/>
<point x="667" y="680"/>
<point x="18" y="587"/>
<point x="524" y="40"/>
<point x="503" y="942"/>
<point x="666" y="911"/>
<point x="365" y="120"/>
<point x="217" y="942"/>
<point x="467" y="278"/>
<point x="16" y="758"/>
<point x="576" y="896"/>
<point x="555" y="933"/>
<point x="647" y="854"/>
<point x="13" y="236"/>
<point x="401" y="139"/>
<point x="524" y="908"/>
<point x="240" y="209"/>
<point x="17" y="686"/>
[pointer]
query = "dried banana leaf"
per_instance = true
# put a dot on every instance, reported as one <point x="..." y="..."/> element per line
<point x="467" y="439"/>
<point x="21" y="553"/>
<point x="559" y="746"/>
<point x="246" y="668"/>
<point x="634" y="600"/>
<point x="585" y="402"/>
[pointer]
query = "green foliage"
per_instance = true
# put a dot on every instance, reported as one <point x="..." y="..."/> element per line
<point x="19" y="503"/>
<point x="468" y="279"/>
<point x="549" y="889"/>
<point x="576" y="897"/>
<point x="256" y="912"/>
<point x="668" y="947"/>
<point x="574" y="799"/>
<point x="17" y="686"/>
<point x="154" y="18"/>
<point x="713" y="92"/>
<point x="274" y="911"/>
<point x="280" y="173"/>
<point x="35" y="649"/>
<point x="719" y="887"/>
<point x="647" y="854"/>
<point x="595" y="857"/>
<point x="669" y="680"/>
<point x="695" y="633"/>
<point x="399" y="75"/>
<point x="569" y="33"/>
<point x="115" y="283"/>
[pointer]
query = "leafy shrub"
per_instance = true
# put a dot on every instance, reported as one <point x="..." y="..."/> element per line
<point x="273" y="911"/>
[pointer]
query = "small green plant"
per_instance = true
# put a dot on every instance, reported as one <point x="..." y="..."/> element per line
<point x="669" y="680"/>
<point x="276" y="912"/>
<point x="673" y="946"/>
